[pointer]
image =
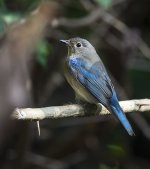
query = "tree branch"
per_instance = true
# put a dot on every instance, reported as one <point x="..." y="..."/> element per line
<point x="94" y="16"/>
<point x="73" y="110"/>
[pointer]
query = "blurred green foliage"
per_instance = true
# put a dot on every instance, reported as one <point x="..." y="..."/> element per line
<point x="116" y="150"/>
<point x="74" y="6"/>
<point x="104" y="3"/>
<point x="104" y="166"/>
<point x="43" y="49"/>
<point x="10" y="17"/>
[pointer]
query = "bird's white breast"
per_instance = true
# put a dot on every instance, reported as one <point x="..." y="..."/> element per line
<point x="79" y="89"/>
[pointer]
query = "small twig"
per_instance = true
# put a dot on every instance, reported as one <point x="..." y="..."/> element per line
<point x="38" y="127"/>
<point x="73" y="110"/>
<point x="144" y="48"/>
<point x="75" y="23"/>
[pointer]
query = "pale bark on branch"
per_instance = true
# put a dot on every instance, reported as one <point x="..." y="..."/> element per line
<point x="141" y="105"/>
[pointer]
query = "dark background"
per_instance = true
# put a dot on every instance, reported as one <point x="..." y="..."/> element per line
<point x="31" y="75"/>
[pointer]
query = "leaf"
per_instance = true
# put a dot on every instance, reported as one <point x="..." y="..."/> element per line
<point x="10" y="17"/>
<point x="104" y="166"/>
<point x="42" y="52"/>
<point x="116" y="149"/>
<point x="2" y="4"/>
<point x="104" y="3"/>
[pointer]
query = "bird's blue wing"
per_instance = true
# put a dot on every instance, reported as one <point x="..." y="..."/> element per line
<point x="93" y="77"/>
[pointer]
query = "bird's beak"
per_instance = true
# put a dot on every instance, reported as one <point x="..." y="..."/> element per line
<point x="65" y="41"/>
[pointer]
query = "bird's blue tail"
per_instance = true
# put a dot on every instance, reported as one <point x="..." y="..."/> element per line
<point x="116" y="109"/>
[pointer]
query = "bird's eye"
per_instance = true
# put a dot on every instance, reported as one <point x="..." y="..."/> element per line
<point x="78" y="45"/>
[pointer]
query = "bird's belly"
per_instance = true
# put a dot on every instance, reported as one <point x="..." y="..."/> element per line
<point x="79" y="89"/>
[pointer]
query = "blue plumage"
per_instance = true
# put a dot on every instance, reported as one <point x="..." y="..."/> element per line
<point x="116" y="109"/>
<point x="87" y="75"/>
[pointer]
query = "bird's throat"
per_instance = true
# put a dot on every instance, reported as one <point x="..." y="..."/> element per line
<point x="70" y="50"/>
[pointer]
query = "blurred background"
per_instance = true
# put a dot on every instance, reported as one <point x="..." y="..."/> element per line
<point x="31" y="75"/>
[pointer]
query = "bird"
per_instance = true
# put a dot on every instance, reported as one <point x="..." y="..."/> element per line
<point x="87" y="75"/>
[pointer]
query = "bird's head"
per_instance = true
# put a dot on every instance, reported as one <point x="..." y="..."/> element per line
<point x="80" y="47"/>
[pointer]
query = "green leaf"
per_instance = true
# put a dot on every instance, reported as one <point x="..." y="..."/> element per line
<point x="2" y="4"/>
<point x="104" y="3"/>
<point x="104" y="166"/>
<point x="42" y="52"/>
<point x="116" y="149"/>
<point x="10" y="17"/>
